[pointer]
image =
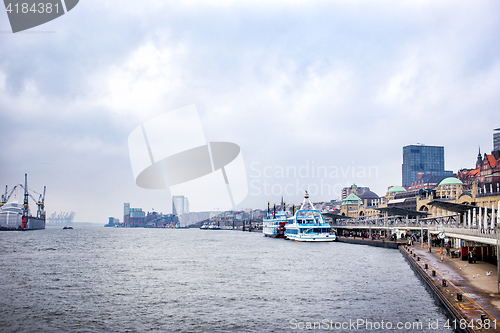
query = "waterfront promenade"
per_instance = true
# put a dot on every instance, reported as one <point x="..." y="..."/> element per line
<point x="472" y="279"/>
<point x="478" y="289"/>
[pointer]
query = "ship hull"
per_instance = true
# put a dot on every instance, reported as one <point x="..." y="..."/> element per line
<point x="35" y="223"/>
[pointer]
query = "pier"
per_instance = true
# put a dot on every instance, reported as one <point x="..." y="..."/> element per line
<point x="479" y="239"/>
<point x="465" y="290"/>
<point x="371" y="242"/>
<point x="463" y="277"/>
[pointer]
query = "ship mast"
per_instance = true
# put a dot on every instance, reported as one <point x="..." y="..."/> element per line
<point x="306" y="201"/>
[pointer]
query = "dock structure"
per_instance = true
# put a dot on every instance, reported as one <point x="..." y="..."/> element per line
<point x="480" y="238"/>
<point x="466" y="291"/>
<point x="371" y="242"/>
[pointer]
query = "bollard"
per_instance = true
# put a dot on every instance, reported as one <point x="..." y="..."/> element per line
<point x="444" y="283"/>
<point x="484" y="317"/>
<point x="426" y="266"/>
<point x="433" y="273"/>
<point x="459" y="297"/>
<point x="418" y="258"/>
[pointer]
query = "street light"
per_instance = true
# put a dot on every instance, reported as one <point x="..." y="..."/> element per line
<point x="498" y="250"/>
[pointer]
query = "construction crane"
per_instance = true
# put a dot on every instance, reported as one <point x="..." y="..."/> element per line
<point x="40" y="202"/>
<point x="62" y="217"/>
<point x="41" y="205"/>
<point x="6" y="197"/>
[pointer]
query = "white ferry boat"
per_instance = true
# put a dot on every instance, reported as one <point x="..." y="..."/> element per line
<point x="274" y="224"/>
<point x="308" y="225"/>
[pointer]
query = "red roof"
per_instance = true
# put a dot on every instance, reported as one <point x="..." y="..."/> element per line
<point x="491" y="159"/>
<point x="474" y="172"/>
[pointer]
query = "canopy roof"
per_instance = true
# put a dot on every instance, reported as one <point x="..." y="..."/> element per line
<point x="336" y="216"/>
<point x="454" y="207"/>
<point x="402" y="211"/>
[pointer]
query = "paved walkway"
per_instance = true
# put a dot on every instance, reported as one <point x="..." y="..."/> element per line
<point x="472" y="279"/>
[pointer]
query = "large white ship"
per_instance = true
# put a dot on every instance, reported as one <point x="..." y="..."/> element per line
<point x="17" y="216"/>
<point x="308" y="225"/>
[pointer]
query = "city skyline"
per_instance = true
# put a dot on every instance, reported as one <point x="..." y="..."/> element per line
<point x="311" y="86"/>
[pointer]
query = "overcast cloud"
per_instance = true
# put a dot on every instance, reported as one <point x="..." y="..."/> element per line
<point x="315" y="85"/>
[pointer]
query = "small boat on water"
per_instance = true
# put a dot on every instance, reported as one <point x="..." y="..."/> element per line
<point x="210" y="226"/>
<point x="274" y="224"/>
<point x="308" y="225"/>
<point x="65" y="227"/>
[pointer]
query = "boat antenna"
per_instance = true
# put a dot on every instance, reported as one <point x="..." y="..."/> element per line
<point x="274" y="213"/>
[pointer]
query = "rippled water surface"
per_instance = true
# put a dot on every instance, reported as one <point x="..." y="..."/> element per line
<point x="190" y="280"/>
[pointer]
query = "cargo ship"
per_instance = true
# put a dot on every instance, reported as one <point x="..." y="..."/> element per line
<point x="17" y="216"/>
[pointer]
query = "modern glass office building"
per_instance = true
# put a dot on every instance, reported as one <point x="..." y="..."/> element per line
<point x="423" y="160"/>
<point x="180" y="205"/>
<point x="496" y="140"/>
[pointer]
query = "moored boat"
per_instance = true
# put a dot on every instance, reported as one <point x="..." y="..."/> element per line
<point x="274" y="224"/>
<point x="308" y="225"/>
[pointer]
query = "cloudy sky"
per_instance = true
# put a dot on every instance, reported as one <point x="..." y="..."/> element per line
<point x="301" y="86"/>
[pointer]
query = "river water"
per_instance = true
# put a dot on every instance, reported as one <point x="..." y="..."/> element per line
<point x="189" y="280"/>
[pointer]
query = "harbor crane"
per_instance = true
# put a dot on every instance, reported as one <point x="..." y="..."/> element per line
<point x="40" y="202"/>
<point x="6" y="197"/>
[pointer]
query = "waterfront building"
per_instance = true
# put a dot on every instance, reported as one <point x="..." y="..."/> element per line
<point x="496" y="141"/>
<point x="193" y="217"/>
<point x="421" y="160"/>
<point x="400" y="201"/>
<point x="362" y="203"/>
<point x="159" y="220"/>
<point x="113" y="221"/>
<point x="348" y="190"/>
<point x="465" y="209"/>
<point x="487" y="170"/>
<point x="425" y="182"/>
<point x="180" y="205"/>
<point x="126" y="209"/>
<point x="135" y="217"/>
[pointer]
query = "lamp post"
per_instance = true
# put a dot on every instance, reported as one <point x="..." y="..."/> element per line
<point x="498" y="246"/>
<point x="498" y="258"/>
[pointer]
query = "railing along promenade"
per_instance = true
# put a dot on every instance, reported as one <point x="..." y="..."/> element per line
<point x="447" y="224"/>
